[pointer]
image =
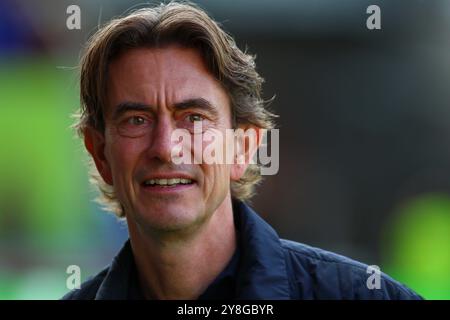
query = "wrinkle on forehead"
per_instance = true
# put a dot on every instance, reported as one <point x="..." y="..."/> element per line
<point x="162" y="77"/>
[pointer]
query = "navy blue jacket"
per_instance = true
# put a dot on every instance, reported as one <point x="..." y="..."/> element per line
<point x="268" y="268"/>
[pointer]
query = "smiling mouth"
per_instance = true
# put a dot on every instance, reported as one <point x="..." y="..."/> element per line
<point x="167" y="183"/>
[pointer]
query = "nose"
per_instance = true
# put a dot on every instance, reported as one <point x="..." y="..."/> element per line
<point x="161" y="145"/>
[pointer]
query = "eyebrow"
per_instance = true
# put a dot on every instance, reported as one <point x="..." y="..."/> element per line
<point x="124" y="107"/>
<point x="199" y="103"/>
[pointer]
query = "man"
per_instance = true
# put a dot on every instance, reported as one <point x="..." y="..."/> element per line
<point x="192" y="236"/>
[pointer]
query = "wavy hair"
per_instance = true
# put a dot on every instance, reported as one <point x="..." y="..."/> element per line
<point x="188" y="25"/>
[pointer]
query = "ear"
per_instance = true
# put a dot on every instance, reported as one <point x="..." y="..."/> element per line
<point x="246" y="147"/>
<point x="94" y="142"/>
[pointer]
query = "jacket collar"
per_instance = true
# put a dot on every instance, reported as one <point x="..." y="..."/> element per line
<point x="262" y="270"/>
<point x="116" y="284"/>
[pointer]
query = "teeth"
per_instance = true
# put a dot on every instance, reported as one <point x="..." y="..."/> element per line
<point x="173" y="181"/>
<point x="168" y="182"/>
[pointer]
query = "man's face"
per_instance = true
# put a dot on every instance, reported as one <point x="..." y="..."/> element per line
<point x="152" y="92"/>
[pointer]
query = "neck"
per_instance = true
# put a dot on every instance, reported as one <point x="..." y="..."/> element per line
<point x="170" y="268"/>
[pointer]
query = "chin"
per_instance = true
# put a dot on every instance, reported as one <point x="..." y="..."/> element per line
<point x="169" y="217"/>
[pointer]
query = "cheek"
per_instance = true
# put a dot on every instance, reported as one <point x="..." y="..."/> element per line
<point x="124" y="154"/>
<point x="216" y="177"/>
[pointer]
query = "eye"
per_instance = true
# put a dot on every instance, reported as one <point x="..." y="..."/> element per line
<point x="136" y="120"/>
<point x="195" y="117"/>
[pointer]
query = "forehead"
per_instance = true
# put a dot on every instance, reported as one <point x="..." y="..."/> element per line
<point x="162" y="77"/>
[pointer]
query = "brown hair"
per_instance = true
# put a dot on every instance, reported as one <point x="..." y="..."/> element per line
<point x="187" y="25"/>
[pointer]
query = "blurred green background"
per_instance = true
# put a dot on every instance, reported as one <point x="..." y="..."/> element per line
<point x="364" y="129"/>
<point x="48" y="220"/>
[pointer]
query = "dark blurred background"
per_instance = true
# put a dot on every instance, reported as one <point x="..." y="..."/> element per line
<point x="364" y="136"/>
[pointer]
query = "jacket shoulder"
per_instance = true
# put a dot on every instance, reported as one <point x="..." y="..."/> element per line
<point x="319" y="274"/>
<point x="88" y="289"/>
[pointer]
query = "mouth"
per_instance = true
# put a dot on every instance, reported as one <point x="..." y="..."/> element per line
<point x="164" y="185"/>
<point x="172" y="182"/>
